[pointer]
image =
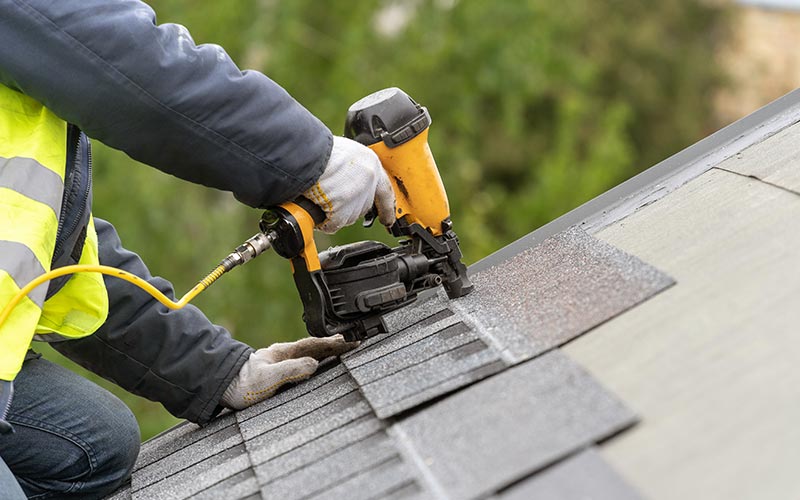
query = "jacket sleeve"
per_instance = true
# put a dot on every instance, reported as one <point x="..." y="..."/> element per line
<point x="177" y="358"/>
<point x="149" y="91"/>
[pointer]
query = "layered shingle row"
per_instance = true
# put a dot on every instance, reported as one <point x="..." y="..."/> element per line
<point x="463" y="399"/>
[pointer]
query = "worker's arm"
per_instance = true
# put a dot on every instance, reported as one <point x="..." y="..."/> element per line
<point x="150" y="91"/>
<point x="177" y="358"/>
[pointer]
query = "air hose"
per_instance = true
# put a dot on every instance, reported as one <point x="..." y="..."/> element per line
<point x="118" y="273"/>
<point x="245" y="252"/>
<point x="7" y="387"/>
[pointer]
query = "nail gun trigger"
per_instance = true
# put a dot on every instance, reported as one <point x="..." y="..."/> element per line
<point x="369" y="217"/>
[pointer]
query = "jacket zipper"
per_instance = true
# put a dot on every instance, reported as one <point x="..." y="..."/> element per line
<point x="87" y="158"/>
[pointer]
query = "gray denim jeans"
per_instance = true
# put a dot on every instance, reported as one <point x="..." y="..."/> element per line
<point x="72" y="438"/>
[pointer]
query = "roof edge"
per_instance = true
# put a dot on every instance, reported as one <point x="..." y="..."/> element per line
<point x="663" y="178"/>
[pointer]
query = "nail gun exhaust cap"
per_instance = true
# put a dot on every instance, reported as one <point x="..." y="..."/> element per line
<point x="388" y="115"/>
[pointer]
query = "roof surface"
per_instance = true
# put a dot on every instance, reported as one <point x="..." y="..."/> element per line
<point x="672" y="274"/>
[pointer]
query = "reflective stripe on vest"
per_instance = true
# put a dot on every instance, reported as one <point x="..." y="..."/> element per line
<point x="32" y="165"/>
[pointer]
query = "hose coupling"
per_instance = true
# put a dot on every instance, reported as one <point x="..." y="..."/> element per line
<point x="249" y="250"/>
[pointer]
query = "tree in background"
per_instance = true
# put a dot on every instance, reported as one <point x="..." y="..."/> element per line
<point x="537" y="107"/>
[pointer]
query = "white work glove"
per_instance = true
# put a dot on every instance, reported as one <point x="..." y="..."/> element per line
<point x="279" y="364"/>
<point x="352" y="182"/>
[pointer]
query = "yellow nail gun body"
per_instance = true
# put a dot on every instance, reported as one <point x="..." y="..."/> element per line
<point x="347" y="289"/>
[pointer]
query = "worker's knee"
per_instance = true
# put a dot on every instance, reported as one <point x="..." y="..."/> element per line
<point x="72" y="437"/>
<point x="92" y="462"/>
<point x="115" y="447"/>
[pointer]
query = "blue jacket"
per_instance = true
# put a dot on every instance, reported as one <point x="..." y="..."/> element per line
<point x="148" y="90"/>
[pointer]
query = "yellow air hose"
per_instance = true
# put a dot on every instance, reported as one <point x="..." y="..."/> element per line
<point x="245" y="252"/>
<point x="118" y="273"/>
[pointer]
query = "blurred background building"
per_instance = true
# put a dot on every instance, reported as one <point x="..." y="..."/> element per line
<point x="760" y="56"/>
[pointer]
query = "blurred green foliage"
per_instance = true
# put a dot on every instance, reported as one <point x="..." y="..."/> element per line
<point x="537" y="107"/>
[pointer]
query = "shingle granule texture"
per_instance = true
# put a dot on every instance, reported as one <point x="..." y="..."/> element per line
<point x="580" y="477"/>
<point x="462" y="399"/>
<point x="511" y="425"/>
<point x="557" y="290"/>
<point x="538" y="300"/>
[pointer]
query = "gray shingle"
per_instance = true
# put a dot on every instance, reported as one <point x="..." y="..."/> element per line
<point x="555" y="291"/>
<point x="376" y="482"/>
<point x="444" y="372"/>
<point x="462" y="379"/>
<point x="308" y="428"/>
<point x="410" y="491"/>
<point x="122" y="493"/>
<point x="237" y="487"/>
<point x="390" y="344"/>
<point x="580" y="477"/>
<point x="179" y="437"/>
<point x="445" y="337"/>
<point x="314" y="443"/>
<point x="320" y="475"/>
<point x="301" y="407"/>
<point x="210" y="445"/>
<point x="281" y="464"/>
<point x="319" y="379"/>
<point x="504" y="428"/>
<point x="199" y="477"/>
<point x="422" y="313"/>
<point x="520" y="308"/>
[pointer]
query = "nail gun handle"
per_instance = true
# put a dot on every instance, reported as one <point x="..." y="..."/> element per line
<point x="312" y="209"/>
<point x="396" y="128"/>
<point x="293" y="224"/>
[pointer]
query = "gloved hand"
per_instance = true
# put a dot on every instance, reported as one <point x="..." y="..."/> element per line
<point x="352" y="182"/>
<point x="279" y="364"/>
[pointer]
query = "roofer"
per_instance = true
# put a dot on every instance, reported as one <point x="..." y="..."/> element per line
<point x="105" y="68"/>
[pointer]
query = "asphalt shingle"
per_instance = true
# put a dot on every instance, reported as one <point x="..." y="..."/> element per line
<point x="179" y="437"/>
<point x="412" y="334"/>
<point x="339" y="442"/>
<point x="324" y="377"/>
<point x="279" y="465"/>
<point x="373" y="483"/>
<point x="556" y="291"/>
<point x="210" y="445"/>
<point x="239" y="486"/>
<point x="201" y="476"/>
<point x="582" y="476"/>
<point x="416" y="383"/>
<point x="326" y="435"/>
<point x="520" y="308"/>
<point x="123" y="493"/>
<point x="409" y="491"/>
<point x="326" y="472"/>
<point x="501" y="429"/>
<point x="306" y="410"/>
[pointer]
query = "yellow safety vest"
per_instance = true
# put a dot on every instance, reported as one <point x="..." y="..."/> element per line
<point x="33" y="157"/>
